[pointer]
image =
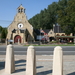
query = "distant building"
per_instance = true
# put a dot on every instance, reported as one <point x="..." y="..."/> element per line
<point x="61" y="36"/>
<point x="57" y="34"/>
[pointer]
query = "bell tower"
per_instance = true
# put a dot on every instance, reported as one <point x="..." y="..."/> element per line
<point x="21" y="9"/>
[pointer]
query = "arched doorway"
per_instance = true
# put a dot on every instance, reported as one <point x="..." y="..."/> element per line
<point x="17" y="38"/>
<point x="51" y="38"/>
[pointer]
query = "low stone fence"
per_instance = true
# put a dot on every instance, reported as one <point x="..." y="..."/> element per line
<point x="31" y="61"/>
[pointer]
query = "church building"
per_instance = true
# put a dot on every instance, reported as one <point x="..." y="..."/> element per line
<point x="20" y="30"/>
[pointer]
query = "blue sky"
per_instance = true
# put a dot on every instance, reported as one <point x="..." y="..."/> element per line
<point x="8" y="9"/>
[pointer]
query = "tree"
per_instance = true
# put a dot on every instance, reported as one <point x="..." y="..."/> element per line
<point x="66" y="15"/>
<point x="1" y="29"/>
<point x="46" y="18"/>
<point x="4" y="33"/>
<point x="71" y="15"/>
<point x="52" y="13"/>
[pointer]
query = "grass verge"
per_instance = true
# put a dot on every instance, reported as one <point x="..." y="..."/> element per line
<point x="52" y="45"/>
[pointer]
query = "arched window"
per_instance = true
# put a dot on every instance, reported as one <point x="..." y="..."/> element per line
<point x="18" y="10"/>
<point x="62" y="35"/>
<point x="58" y="35"/>
<point x="21" y="10"/>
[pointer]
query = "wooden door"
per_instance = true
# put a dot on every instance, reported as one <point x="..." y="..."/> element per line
<point x="17" y="38"/>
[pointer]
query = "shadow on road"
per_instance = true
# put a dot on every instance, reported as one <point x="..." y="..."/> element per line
<point x="2" y="65"/>
<point x="20" y="70"/>
<point x="44" y="72"/>
<point x="39" y="67"/>
<point x="20" y="61"/>
<point x="20" y="65"/>
<point x="71" y="73"/>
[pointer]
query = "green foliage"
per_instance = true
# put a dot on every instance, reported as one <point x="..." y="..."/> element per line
<point x="66" y="15"/>
<point x="70" y="43"/>
<point x="3" y="32"/>
<point x="54" y="42"/>
<point x="46" y="18"/>
<point x="62" y="13"/>
<point x="1" y="29"/>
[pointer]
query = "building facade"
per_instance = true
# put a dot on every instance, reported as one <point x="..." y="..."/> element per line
<point x="20" y="30"/>
<point x="57" y="34"/>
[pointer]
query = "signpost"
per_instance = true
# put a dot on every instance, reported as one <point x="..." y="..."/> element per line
<point x="11" y="41"/>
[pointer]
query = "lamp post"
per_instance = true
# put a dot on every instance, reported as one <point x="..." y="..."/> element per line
<point x="40" y="36"/>
<point x="74" y="39"/>
<point x="54" y="31"/>
<point x="53" y="27"/>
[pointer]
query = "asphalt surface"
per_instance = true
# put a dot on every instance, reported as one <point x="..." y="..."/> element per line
<point x="40" y="50"/>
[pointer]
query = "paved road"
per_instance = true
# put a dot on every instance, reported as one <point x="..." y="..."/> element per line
<point x="44" y="50"/>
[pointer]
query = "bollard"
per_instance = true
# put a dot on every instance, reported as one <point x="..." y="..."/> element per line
<point x="9" y="62"/>
<point x="58" y="61"/>
<point x="31" y="61"/>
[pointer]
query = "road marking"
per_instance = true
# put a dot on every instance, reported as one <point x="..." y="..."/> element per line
<point x="45" y="59"/>
<point x="36" y="51"/>
<point x="47" y="55"/>
<point x="14" y="51"/>
<point x="42" y="55"/>
<point x="2" y="58"/>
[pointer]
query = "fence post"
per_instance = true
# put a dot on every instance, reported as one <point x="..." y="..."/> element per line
<point x="31" y="61"/>
<point x="9" y="62"/>
<point x="58" y="61"/>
